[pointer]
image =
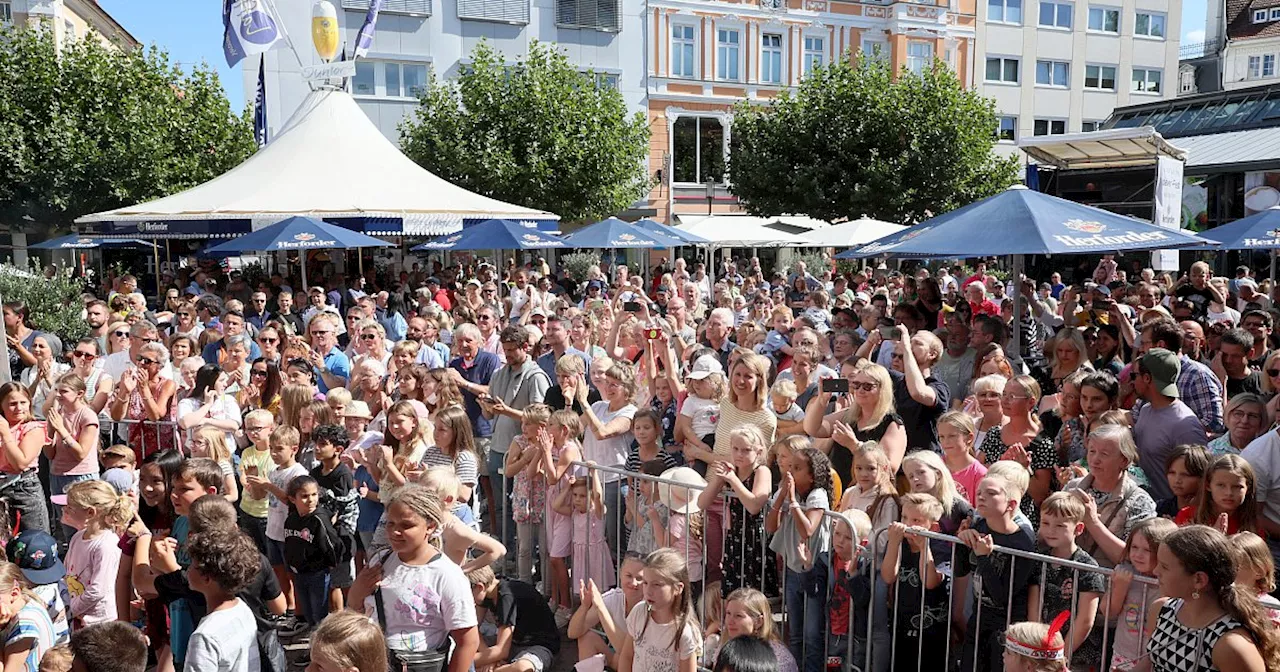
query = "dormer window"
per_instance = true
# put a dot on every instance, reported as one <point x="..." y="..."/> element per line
<point x="1275" y="14"/>
<point x="1259" y="16"/>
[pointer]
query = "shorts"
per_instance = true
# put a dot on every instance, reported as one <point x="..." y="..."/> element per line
<point x="343" y="574"/>
<point x="364" y="538"/>
<point x="538" y="656"/>
<point x="275" y="553"/>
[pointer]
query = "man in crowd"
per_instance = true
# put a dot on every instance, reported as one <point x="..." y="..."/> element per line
<point x="232" y="325"/>
<point x="1232" y="364"/>
<point x="1165" y="422"/>
<point x="556" y="336"/>
<point x="284" y="312"/>
<point x="719" y="328"/>
<point x="1198" y="387"/>
<point x="333" y="367"/>
<point x="258" y="315"/>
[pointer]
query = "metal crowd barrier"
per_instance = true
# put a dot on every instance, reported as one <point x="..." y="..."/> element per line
<point x="875" y="660"/>
<point x="150" y="439"/>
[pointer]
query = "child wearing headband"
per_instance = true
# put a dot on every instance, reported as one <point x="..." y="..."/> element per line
<point x="1036" y="647"/>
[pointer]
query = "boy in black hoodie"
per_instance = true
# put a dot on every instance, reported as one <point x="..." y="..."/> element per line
<point x="311" y="548"/>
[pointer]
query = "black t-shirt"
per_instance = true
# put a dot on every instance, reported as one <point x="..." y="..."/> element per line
<point x="920" y="421"/>
<point x="337" y="493"/>
<point x="1251" y="383"/>
<point x="1199" y="297"/>
<point x="262" y="589"/>
<point x="842" y="457"/>
<point x="522" y="607"/>
<point x="993" y="576"/>
<point x="555" y="399"/>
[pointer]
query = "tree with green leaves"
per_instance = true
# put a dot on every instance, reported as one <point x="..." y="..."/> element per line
<point x="85" y="128"/>
<point x="858" y="139"/>
<point x="539" y="133"/>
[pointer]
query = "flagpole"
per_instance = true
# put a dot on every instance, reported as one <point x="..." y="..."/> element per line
<point x="284" y="32"/>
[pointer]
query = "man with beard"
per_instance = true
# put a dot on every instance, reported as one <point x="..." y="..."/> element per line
<point x="955" y="366"/>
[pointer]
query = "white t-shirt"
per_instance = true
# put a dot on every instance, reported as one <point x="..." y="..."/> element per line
<point x="224" y="408"/>
<point x="610" y="452"/>
<point x="703" y="414"/>
<point x="225" y="641"/>
<point x="653" y="651"/>
<point x="616" y="602"/>
<point x="278" y="510"/>
<point x="424" y="603"/>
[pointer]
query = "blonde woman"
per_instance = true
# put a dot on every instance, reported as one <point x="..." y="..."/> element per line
<point x="865" y="414"/>
<point x="1271" y="385"/>
<point x="373" y="339"/>
<point x="1067" y="353"/>
<point x="985" y="407"/>
<point x="1022" y="440"/>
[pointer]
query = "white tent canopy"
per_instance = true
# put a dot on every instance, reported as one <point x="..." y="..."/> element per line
<point x="745" y="230"/>
<point x="849" y="234"/>
<point x="329" y="161"/>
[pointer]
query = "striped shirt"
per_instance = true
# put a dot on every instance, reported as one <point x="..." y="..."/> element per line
<point x="464" y="465"/>
<point x="31" y="624"/>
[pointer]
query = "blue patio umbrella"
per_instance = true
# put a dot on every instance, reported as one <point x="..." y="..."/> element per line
<point x="1019" y="221"/>
<point x="1259" y="231"/>
<point x="494" y="234"/>
<point x="297" y="233"/>
<point x="79" y="242"/>
<point x="681" y="235"/>
<point x="615" y="233"/>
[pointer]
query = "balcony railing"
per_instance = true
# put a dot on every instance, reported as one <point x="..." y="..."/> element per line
<point x="1198" y="49"/>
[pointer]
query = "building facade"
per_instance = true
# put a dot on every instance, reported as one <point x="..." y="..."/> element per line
<point x="415" y="37"/>
<point x="69" y="20"/>
<point x="1242" y="43"/>
<point x="1061" y="66"/>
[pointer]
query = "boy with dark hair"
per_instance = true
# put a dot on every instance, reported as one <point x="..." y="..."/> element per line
<point x="311" y="548"/>
<point x="222" y="564"/>
<point x="111" y="646"/>
<point x="338" y="495"/>
<point x="527" y="639"/>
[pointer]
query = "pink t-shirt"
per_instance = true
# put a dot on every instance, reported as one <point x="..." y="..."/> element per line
<point x="20" y="431"/>
<point x="678" y="526"/>
<point x="91" y="576"/>
<point x="967" y="481"/>
<point x="64" y="459"/>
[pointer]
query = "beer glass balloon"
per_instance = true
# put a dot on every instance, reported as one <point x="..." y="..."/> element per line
<point x="324" y="29"/>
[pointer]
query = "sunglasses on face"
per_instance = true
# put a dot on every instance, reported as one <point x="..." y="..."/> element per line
<point x="82" y="355"/>
<point x="368" y="337"/>
<point x="865" y="387"/>
<point x="1273" y="372"/>
<point x="320" y="333"/>
<point x="185" y="314"/>
<point x="143" y="359"/>
<point x="268" y="339"/>
<point x="120" y="334"/>
<point x="259" y="373"/>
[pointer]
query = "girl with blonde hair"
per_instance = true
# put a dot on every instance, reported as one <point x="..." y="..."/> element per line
<point x="100" y="515"/>
<point x="211" y="442"/>
<point x="346" y="641"/>
<point x="664" y="632"/>
<point x="747" y="613"/>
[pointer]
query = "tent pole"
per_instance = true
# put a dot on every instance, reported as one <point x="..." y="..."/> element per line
<point x="302" y="257"/>
<point x="159" y="292"/>
<point x="1018" y="261"/>
<point x="1273" y="271"/>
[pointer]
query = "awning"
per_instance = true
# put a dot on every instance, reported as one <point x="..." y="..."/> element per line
<point x="745" y="230"/>
<point x="1252" y="149"/>
<point x="1112" y="148"/>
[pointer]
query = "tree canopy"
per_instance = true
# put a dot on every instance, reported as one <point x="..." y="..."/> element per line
<point x="538" y="133"/>
<point x="858" y="139"/>
<point x="85" y="128"/>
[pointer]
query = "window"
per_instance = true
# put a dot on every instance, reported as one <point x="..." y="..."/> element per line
<point x="1004" y="11"/>
<point x="1147" y="81"/>
<point x="1275" y="13"/>
<point x="875" y="50"/>
<point x="1053" y="73"/>
<point x="814" y="53"/>
<point x="1002" y="70"/>
<point x="919" y="55"/>
<point x="363" y="82"/>
<point x="683" y="39"/>
<point x="515" y="12"/>
<point x="1090" y="126"/>
<point x="606" y="80"/>
<point x="1150" y="25"/>
<point x="771" y="58"/>
<point x="1100" y="77"/>
<point x="1056" y="14"/>
<point x="1008" y="129"/>
<point x="727" y="47"/>
<point x="1269" y="65"/>
<point x="1255" y="67"/>
<point x="1259" y="16"/>
<point x="1050" y="127"/>
<point x="697" y="150"/>
<point x="414" y="7"/>
<point x="1104" y="19"/>
<point x="6" y="12"/>
<point x="602" y="15"/>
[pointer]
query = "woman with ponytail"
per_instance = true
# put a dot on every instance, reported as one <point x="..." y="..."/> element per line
<point x="1207" y="623"/>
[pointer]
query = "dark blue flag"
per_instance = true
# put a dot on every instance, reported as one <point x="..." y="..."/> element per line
<point x="260" y="105"/>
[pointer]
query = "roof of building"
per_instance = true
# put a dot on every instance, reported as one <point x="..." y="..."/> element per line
<point x="114" y="26"/>
<point x="1240" y="25"/>
<point x="1237" y="148"/>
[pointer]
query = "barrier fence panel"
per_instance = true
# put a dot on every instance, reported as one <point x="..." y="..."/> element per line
<point x="143" y="436"/>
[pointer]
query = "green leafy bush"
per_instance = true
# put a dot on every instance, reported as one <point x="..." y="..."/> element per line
<point x="54" y="303"/>
<point x="577" y="263"/>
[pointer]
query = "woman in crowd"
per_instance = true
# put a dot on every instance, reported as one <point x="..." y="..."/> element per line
<point x="263" y="389"/>
<point x="118" y="337"/>
<point x="1245" y="417"/>
<point x="43" y="375"/>
<point x="209" y="405"/>
<point x="17" y="325"/>
<point x="1021" y="440"/>
<point x="145" y="398"/>
<point x="870" y="416"/>
<point x="1068" y="353"/>
<point x="373" y="339"/>
<point x="269" y="343"/>
<point x="1108" y="349"/>
<point x="570" y="369"/>
<point x="98" y="385"/>
<point x="985" y="406"/>
<point x="439" y="391"/>
<point x="1114" y="502"/>
<point x="180" y="348"/>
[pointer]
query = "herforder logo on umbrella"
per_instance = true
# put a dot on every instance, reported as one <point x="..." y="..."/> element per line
<point x="301" y="240"/>
<point x="1098" y="240"/>
<point x="878" y="247"/>
<point x="628" y="239"/>
<point x="1268" y="241"/>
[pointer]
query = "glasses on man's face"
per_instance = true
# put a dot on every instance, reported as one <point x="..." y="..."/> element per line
<point x="80" y="354"/>
<point x="484" y="318"/>
<point x="320" y="333"/>
<point x="259" y="300"/>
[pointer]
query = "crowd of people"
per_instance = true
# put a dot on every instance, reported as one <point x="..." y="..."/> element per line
<point x="465" y="467"/>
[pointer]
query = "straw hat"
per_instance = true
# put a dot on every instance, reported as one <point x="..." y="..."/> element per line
<point x="358" y="409"/>
<point x="681" y="500"/>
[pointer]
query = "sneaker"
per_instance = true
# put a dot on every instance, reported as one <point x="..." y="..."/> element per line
<point x="539" y="587"/>
<point x="562" y="618"/>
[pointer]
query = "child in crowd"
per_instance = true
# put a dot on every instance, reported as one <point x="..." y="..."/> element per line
<point x="608" y="611"/>
<point x="57" y="659"/>
<point x="1034" y="647"/>
<point x="956" y="432"/>
<point x="998" y="499"/>
<point x="557" y="465"/>
<point x="347" y="641"/>
<point x="419" y="604"/>
<point x="529" y="486"/>
<point x="644" y="498"/>
<point x="663" y="630"/>
<point x="456" y="447"/>
<point x="700" y="413"/>
<point x="747" y="613"/>
<point x="796" y="522"/>
<point x="114" y="646"/>
<point x="777" y="343"/>
<point x="910" y="569"/>
<point x="337" y="399"/>
<point x="36" y="554"/>
<point x="338" y="496"/>
<point x="928" y="474"/>
<point x="222" y="564"/>
<point x="211" y="442"/>
<point x="747" y="653"/>
<point x="1128" y="601"/>
<point x="98" y="514"/>
<point x="527" y="636"/>
<point x="120" y="456"/>
<point x="685" y="526"/>
<point x="745" y="561"/>
<point x="1228" y="498"/>
<point x="873" y="491"/>
<point x="156" y="515"/>
<point x="782" y="401"/>
<point x="255" y="460"/>
<point x="1184" y="470"/>
<point x="1255" y="567"/>
<point x="24" y="622"/>
<point x="1018" y="475"/>
<point x="406" y="442"/>
<point x="355" y="419"/>
<point x="1057" y="588"/>
<point x="311" y="548"/>
<point x="647" y="428"/>
<point x="665" y="406"/>
<point x="457" y="538"/>
<point x="851" y="590"/>
<point x="371" y="510"/>
<point x="583" y="502"/>
<point x="284" y="452"/>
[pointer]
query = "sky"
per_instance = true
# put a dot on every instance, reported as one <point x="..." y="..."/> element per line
<point x="191" y="31"/>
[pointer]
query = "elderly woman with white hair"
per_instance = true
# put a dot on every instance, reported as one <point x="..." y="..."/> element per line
<point x="1114" y="502"/>
<point x="144" y="398"/>
<point x="368" y="384"/>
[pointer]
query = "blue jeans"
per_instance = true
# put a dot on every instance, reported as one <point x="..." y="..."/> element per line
<point x="311" y="592"/>
<point x="806" y="604"/>
<point x="58" y="485"/>
<point x="501" y="518"/>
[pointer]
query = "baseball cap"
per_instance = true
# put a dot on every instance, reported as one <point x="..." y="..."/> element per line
<point x="1163" y="367"/>
<point x="862" y="296"/>
<point x="433" y="280"/>
<point x="1102" y="289"/>
<point x="705" y="366"/>
<point x="595" y="284"/>
<point x="36" y="554"/>
<point x="119" y="479"/>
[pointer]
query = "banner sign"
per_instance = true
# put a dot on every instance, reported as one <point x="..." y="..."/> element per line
<point x="324" y="71"/>
<point x="1167" y="208"/>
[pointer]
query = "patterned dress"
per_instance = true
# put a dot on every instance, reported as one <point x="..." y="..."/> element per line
<point x="1176" y="648"/>
<point x="746" y="557"/>
<point x="1043" y="456"/>
<point x="145" y="435"/>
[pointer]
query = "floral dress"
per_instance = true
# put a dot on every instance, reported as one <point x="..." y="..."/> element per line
<point x="528" y="493"/>
<point x="746" y="561"/>
<point x="1043" y="456"/>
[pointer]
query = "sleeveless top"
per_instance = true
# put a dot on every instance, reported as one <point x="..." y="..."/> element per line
<point x="1175" y="647"/>
<point x="842" y="458"/>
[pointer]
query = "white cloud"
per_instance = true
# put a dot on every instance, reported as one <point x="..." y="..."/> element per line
<point x="1193" y="37"/>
